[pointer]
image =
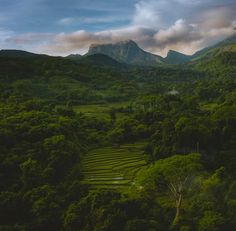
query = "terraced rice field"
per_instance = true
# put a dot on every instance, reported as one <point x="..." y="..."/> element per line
<point x="113" y="168"/>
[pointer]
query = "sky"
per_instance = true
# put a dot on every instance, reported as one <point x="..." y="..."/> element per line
<point x="63" y="27"/>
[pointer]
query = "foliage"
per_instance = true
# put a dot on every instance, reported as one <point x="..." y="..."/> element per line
<point x="66" y="125"/>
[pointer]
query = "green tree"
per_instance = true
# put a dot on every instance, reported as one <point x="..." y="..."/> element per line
<point x="174" y="174"/>
<point x="210" y="221"/>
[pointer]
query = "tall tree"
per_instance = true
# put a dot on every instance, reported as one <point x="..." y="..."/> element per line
<point x="174" y="175"/>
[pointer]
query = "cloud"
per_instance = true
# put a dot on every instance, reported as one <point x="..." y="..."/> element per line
<point x="91" y="20"/>
<point x="147" y="14"/>
<point x="180" y="32"/>
<point x="216" y="23"/>
<point x="181" y="36"/>
<point x="79" y="41"/>
<point x="216" y="17"/>
<point x="29" y="38"/>
<point x="156" y="25"/>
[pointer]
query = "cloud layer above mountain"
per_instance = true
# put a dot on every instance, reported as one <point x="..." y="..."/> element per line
<point x="156" y="25"/>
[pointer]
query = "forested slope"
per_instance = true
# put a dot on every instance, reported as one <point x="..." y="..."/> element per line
<point x="184" y="117"/>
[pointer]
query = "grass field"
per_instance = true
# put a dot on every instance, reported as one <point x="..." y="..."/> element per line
<point x="100" y="110"/>
<point x="113" y="168"/>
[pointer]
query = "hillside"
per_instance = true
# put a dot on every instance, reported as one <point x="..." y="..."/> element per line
<point x="17" y="53"/>
<point x="74" y="57"/>
<point x="91" y="79"/>
<point x="219" y="59"/>
<point x="227" y="45"/>
<point x="101" y="60"/>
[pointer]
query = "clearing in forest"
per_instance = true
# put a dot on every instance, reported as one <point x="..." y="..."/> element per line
<point x="113" y="167"/>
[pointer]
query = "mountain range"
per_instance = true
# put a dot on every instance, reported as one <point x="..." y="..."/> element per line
<point x="128" y="52"/>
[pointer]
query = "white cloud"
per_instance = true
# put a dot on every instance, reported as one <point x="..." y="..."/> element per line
<point x="79" y="41"/>
<point x="155" y="26"/>
<point x="181" y="31"/>
<point x="91" y="20"/>
<point x="216" y="17"/>
<point x="147" y="14"/>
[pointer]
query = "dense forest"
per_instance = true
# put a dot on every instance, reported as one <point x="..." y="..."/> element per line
<point x="63" y="121"/>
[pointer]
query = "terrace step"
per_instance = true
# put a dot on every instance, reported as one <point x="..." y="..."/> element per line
<point x="113" y="168"/>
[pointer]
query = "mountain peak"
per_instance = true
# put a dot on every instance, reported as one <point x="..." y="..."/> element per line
<point x="126" y="51"/>
<point x="175" y="57"/>
<point x="119" y="43"/>
<point x="172" y="52"/>
<point x="127" y="42"/>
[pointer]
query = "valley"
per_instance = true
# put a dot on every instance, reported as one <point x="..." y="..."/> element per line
<point x="126" y="142"/>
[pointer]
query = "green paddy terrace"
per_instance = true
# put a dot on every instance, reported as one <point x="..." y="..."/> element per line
<point x="113" y="167"/>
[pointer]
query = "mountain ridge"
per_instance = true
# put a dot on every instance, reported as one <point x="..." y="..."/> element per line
<point x="127" y="52"/>
<point x="223" y="45"/>
<point x="16" y="53"/>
